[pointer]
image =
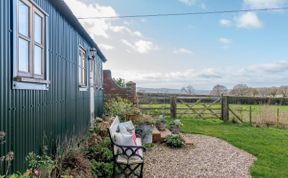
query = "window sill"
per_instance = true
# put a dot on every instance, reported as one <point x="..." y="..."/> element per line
<point x="23" y="83"/>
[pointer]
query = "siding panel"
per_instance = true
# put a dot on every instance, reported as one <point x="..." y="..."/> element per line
<point x="34" y="118"/>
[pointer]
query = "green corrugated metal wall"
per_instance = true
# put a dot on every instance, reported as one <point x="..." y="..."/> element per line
<point x="62" y="111"/>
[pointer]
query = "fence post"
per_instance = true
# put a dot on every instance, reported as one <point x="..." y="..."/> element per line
<point x="250" y="115"/>
<point x="278" y="117"/>
<point x="224" y="108"/>
<point x="173" y="106"/>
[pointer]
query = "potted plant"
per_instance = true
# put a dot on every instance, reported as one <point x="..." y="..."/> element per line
<point x="161" y="123"/>
<point x="135" y="112"/>
<point x="175" y="126"/>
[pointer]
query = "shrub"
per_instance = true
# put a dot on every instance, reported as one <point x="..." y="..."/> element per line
<point x="174" y="141"/>
<point x="118" y="107"/>
<point x="102" y="169"/>
<point x="5" y="160"/>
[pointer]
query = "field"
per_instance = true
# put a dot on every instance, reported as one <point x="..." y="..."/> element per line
<point x="269" y="145"/>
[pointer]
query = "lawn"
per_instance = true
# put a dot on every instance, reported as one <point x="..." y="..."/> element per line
<point x="269" y="145"/>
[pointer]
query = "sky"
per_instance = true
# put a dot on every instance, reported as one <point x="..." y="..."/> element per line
<point x="200" y="50"/>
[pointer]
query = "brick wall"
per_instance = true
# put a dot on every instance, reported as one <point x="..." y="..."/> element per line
<point x="111" y="89"/>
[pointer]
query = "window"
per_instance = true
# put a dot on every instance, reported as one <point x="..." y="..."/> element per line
<point x="82" y="68"/>
<point x="30" y="40"/>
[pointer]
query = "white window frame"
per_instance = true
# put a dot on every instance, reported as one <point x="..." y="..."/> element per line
<point x="29" y="80"/>
<point x="82" y="70"/>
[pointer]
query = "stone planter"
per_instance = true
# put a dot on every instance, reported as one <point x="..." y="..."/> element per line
<point x="145" y="132"/>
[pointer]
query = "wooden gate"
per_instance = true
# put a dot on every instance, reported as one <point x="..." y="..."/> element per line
<point x="200" y="106"/>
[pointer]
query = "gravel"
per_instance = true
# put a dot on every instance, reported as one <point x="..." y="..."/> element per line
<point x="208" y="157"/>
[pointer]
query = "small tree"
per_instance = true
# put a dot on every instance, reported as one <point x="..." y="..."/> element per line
<point x="188" y="90"/>
<point x="218" y="90"/>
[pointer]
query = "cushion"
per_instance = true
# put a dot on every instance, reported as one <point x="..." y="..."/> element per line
<point x="114" y="126"/>
<point x="124" y="139"/>
<point x="133" y="159"/>
<point x="126" y="127"/>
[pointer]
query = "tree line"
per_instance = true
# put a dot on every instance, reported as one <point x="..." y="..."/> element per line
<point x="243" y="90"/>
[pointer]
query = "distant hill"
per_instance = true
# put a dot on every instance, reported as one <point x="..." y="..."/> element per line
<point x="169" y="91"/>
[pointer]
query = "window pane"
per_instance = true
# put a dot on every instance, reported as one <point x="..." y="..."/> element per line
<point x="23" y="19"/>
<point x="38" y="29"/>
<point x="23" y="55"/>
<point x="37" y="60"/>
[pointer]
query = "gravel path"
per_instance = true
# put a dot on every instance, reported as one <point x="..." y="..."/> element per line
<point x="209" y="157"/>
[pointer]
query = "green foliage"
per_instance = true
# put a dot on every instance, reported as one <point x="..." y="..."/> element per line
<point x="174" y="141"/>
<point x="269" y="145"/>
<point x="120" y="82"/>
<point x="102" y="169"/>
<point x="37" y="161"/>
<point x="175" y="123"/>
<point x="5" y="160"/>
<point x="118" y="107"/>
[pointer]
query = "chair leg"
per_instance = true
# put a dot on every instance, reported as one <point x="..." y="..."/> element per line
<point x="141" y="171"/>
<point x="114" y="170"/>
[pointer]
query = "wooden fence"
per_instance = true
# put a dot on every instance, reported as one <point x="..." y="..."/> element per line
<point x="253" y="110"/>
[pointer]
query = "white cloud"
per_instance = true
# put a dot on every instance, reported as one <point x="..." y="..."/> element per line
<point x="182" y="51"/>
<point x="248" y="20"/>
<point x="199" y="3"/>
<point x="225" y="41"/>
<point x="276" y="67"/>
<point x="188" y="2"/>
<point x="106" y="47"/>
<point x="265" y="3"/>
<point x="123" y="29"/>
<point x="98" y="27"/>
<point x="140" y="46"/>
<point x="174" y="76"/>
<point x="225" y="22"/>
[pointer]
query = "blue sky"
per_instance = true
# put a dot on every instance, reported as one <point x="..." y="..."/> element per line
<point x="201" y="51"/>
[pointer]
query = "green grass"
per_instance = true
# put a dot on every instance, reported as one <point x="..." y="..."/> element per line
<point x="269" y="145"/>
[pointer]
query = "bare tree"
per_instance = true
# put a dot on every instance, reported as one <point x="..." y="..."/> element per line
<point x="253" y="92"/>
<point x="273" y="91"/>
<point x="240" y="90"/>
<point x="218" y="90"/>
<point x="188" y="90"/>
<point x="263" y="92"/>
<point x="283" y="90"/>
